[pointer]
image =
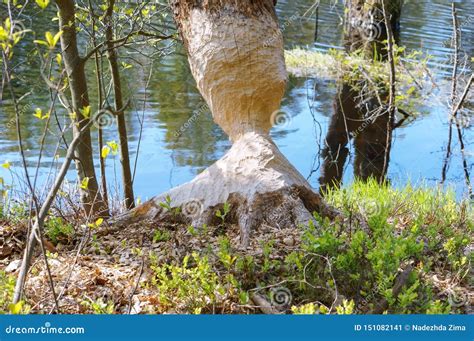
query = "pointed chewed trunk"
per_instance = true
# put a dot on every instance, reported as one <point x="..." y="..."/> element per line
<point x="235" y="50"/>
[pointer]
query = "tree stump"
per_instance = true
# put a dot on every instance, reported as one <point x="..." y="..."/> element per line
<point x="235" y="50"/>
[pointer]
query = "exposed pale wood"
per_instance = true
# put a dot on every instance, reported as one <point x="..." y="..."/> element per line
<point x="263" y="304"/>
<point x="235" y="50"/>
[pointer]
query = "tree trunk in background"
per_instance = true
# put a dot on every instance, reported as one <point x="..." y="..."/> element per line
<point x="365" y="26"/>
<point x="90" y="197"/>
<point x="119" y="107"/>
<point x="235" y="50"/>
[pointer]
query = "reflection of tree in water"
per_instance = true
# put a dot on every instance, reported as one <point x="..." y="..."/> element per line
<point x="359" y="112"/>
<point x="190" y="131"/>
<point x="360" y="122"/>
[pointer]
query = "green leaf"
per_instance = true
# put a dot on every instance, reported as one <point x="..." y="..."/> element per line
<point x="84" y="183"/>
<point x="105" y="152"/>
<point x="113" y="146"/>
<point x="59" y="59"/>
<point x="49" y="38"/>
<point x="86" y="111"/>
<point x="6" y="165"/>
<point x="39" y="114"/>
<point x="42" y="3"/>
<point x="15" y="309"/>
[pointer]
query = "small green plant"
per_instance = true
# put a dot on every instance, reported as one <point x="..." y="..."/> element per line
<point x="59" y="231"/>
<point x="7" y="285"/>
<point x="137" y="251"/>
<point x="222" y="214"/>
<point x="98" y="306"/>
<point x="225" y="253"/>
<point x="161" y="236"/>
<point x="167" y="206"/>
<point x="306" y="309"/>
<point x="191" y="287"/>
<point x="426" y="228"/>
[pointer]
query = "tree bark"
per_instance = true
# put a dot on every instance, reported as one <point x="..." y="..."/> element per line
<point x="365" y="25"/>
<point x="119" y="107"/>
<point x="90" y="196"/>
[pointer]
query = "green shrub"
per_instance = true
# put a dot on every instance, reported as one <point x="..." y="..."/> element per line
<point x="57" y="230"/>
<point x="7" y="285"/>
<point x="193" y="287"/>
<point x="98" y="306"/>
<point x="422" y="227"/>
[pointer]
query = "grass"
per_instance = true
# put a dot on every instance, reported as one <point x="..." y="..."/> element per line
<point x="340" y="268"/>
<point x="424" y="228"/>
<point x="414" y="257"/>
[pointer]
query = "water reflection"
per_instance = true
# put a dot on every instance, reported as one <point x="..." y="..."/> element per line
<point x="360" y="108"/>
<point x="325" y="123"/>
<point x="361" y="121"/>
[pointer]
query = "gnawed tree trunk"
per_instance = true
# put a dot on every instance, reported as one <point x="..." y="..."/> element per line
<point x="235" y="51"/>
<point x="90" y="195"/>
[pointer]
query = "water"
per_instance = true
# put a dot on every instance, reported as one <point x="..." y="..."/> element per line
<point x="167" y="159"/>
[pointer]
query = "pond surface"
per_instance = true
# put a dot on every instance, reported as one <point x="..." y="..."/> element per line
<point x="167" y="159"/>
